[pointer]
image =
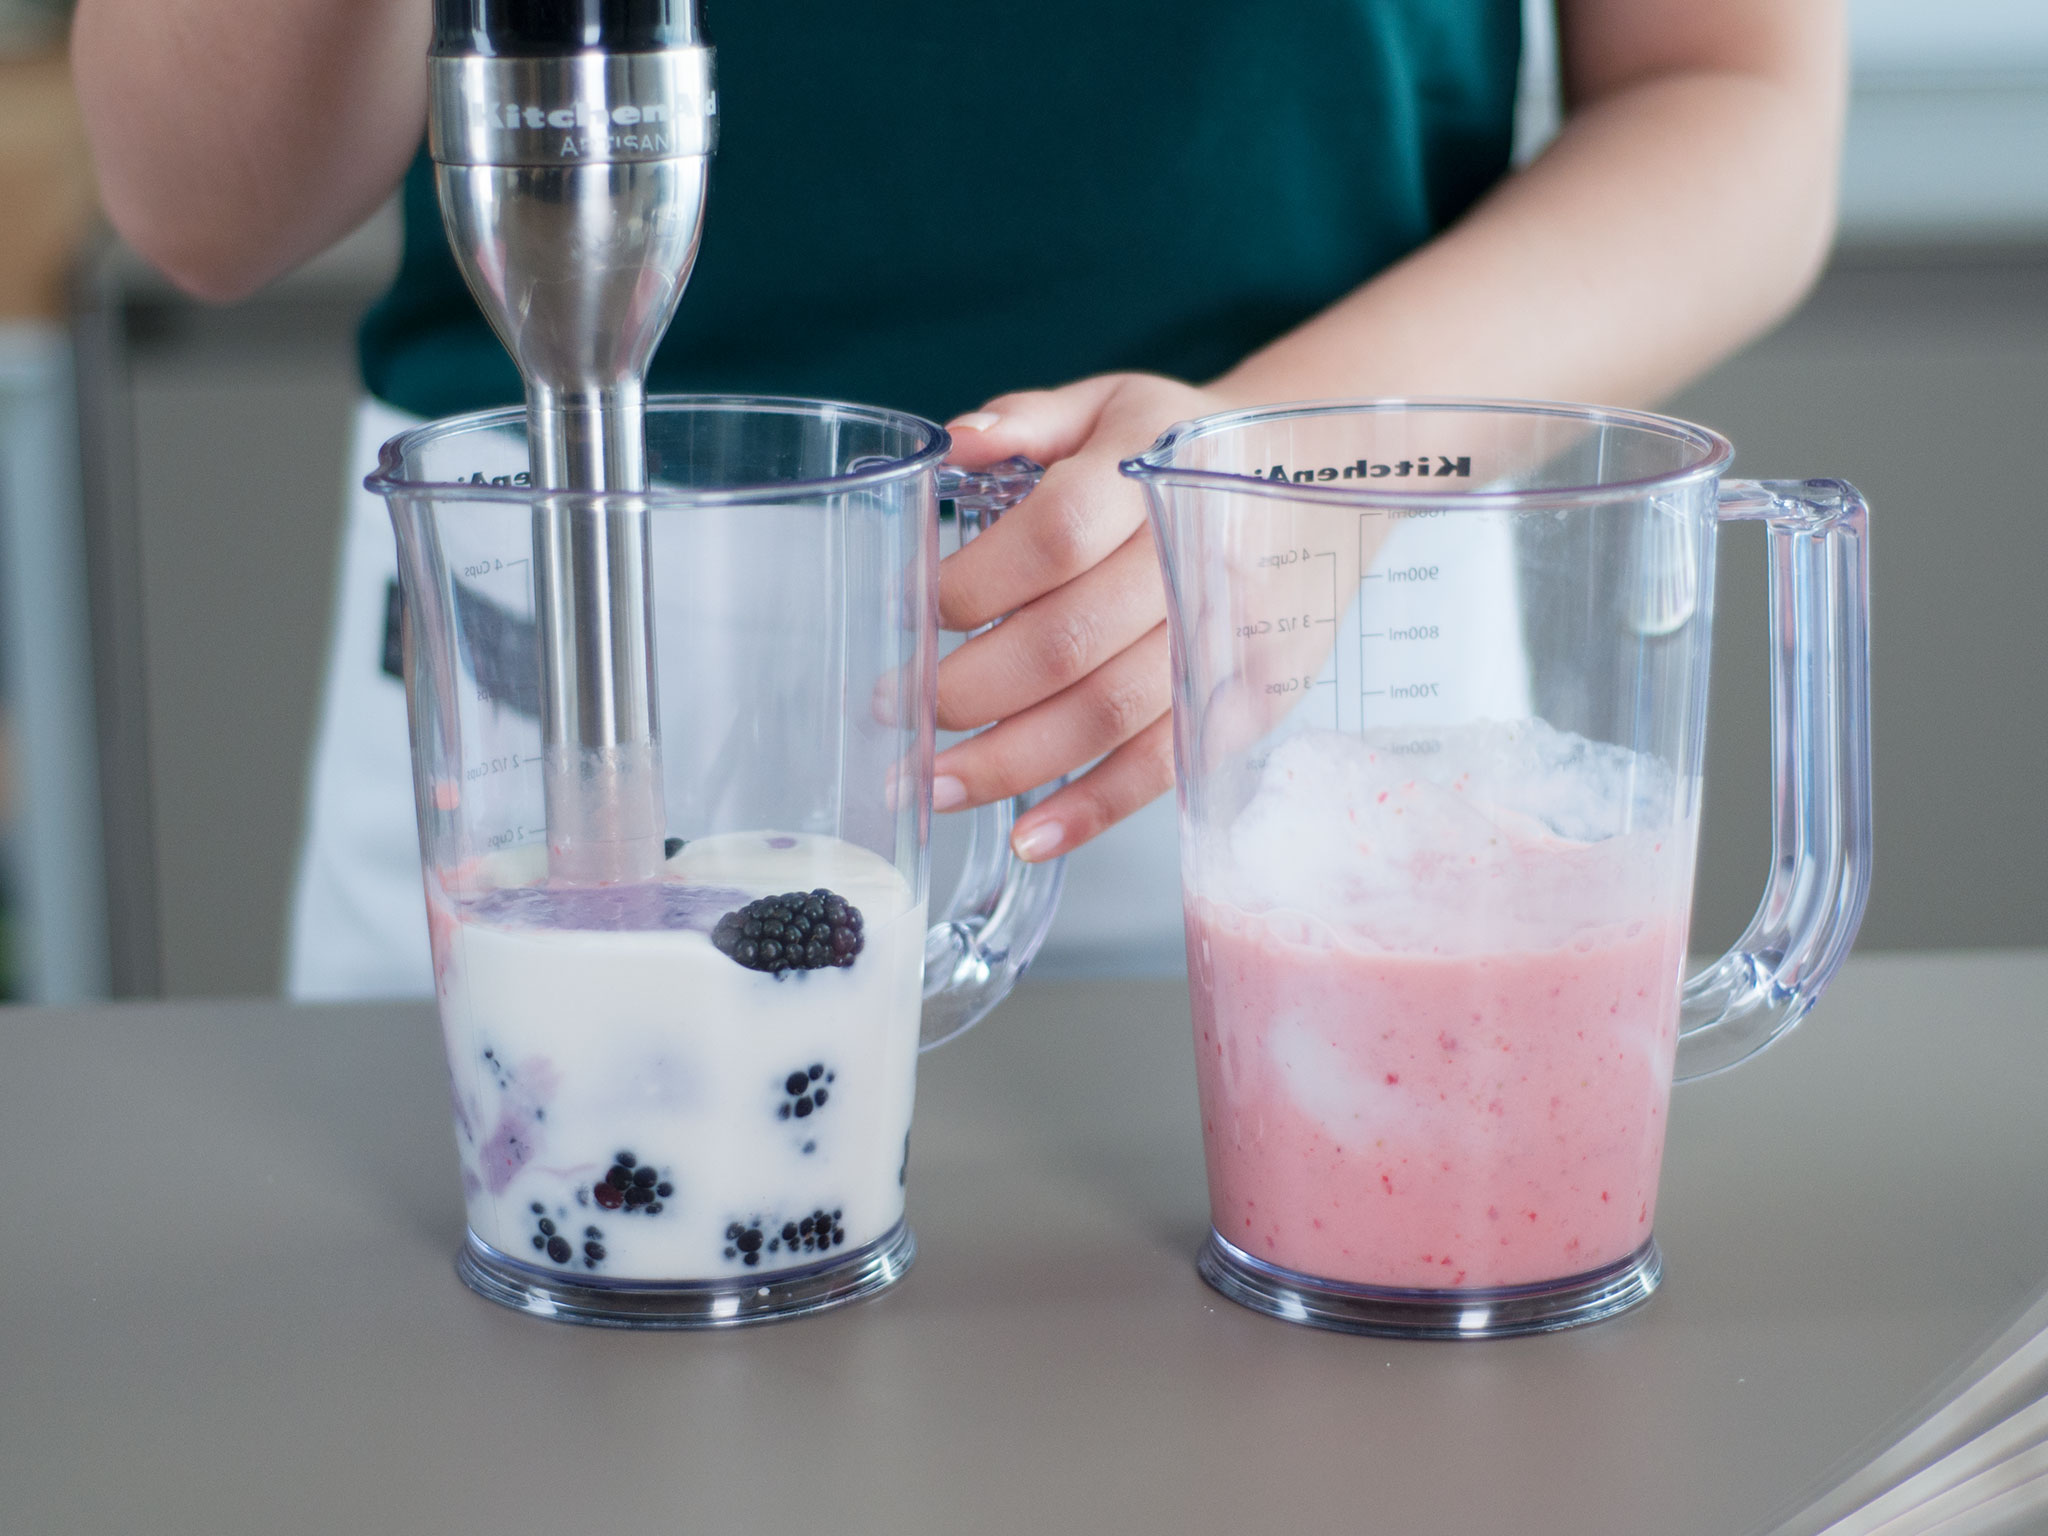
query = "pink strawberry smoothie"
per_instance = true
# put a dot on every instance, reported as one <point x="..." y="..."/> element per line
<point x="1432" y="1121"/>
<point x="1434" y="1040"/>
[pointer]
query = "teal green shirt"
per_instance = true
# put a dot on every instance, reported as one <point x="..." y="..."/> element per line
<point x="923" y="204"/>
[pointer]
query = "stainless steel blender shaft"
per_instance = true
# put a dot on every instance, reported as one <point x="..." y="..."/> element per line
<point x="572" y="189"/>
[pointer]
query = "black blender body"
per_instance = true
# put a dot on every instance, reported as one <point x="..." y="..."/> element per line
<point x="571" y="140"/>
<point x="529" y="28"/>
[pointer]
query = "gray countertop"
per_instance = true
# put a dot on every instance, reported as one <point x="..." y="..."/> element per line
<point x="227" y="1305"/>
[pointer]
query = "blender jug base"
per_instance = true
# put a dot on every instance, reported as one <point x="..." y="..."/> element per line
<point x="1404" y="1314"/>
<point x="686" y="1304"/>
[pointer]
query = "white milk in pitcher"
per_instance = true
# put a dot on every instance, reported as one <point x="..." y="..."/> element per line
<point x="645" y="1090"/>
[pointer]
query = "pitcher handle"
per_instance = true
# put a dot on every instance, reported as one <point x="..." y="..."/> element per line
<point x="1000" y="910"/>
<point x="1820" y="775"/>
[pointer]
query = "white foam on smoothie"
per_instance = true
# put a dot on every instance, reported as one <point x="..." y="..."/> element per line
<point x="576" y="1031"/>
<point x="1508" y="833"/>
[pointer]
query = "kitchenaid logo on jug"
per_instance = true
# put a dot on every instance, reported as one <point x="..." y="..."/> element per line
<point x="1366" y="469"/>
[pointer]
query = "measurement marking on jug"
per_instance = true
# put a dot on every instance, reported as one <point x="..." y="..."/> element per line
<point x="494" y="765"/>
<point x="1366" y="534"/>
<point x="1297" y="623"/>
<point x="1295" y="556"/>
<point x="1411" y="627"/>
<point x="1405" y="573"/>
<point x="1287" y="624"/>
<point x="1336" y="610"/>
<point x="1397" y="636"/>
<point x="1298" y="684"/>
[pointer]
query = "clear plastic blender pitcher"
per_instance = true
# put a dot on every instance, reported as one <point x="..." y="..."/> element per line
<point x="687" y="1100"/>
<point x="1440" y="680"/>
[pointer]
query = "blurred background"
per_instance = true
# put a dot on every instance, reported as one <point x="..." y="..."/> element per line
<point x="170" y="492"/>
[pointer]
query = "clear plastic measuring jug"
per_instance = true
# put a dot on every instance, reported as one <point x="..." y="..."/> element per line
<point x="686" y="1101"/>
<point x="1440" y="681"/>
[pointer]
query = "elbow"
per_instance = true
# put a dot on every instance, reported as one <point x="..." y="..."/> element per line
<point x="160" y="185"/>
<point x="1805" y="237"/>
<point x="1805" y="136"/>
<point x="1792" y="187"/>
<point x="196" y="254"/>
<point x="209" y="281"/>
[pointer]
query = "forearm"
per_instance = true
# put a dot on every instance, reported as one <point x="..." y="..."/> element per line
<point x="236" y="138"/>
<point x="1669" y="223"/>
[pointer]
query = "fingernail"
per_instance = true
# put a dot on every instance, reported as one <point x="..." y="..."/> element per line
<point x="973" y="421"/>
<point x="948" y="793"/>
<point x="1040" y="840"/>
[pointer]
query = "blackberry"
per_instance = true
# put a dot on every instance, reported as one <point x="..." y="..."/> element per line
<point x="551" y="1242"/>
<point x="797" y="931"/>
<point x="744" y="1241"/>
<point x="630" y="1187"/>
<point x="804" y="1092"/>
<point x="831" y="1233"/>
<point x="818" y="1232"/>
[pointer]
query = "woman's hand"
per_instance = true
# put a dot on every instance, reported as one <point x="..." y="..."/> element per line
<point x="1078" y="669"/>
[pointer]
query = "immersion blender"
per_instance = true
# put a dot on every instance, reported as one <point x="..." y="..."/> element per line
<point x="570" y="141"/>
